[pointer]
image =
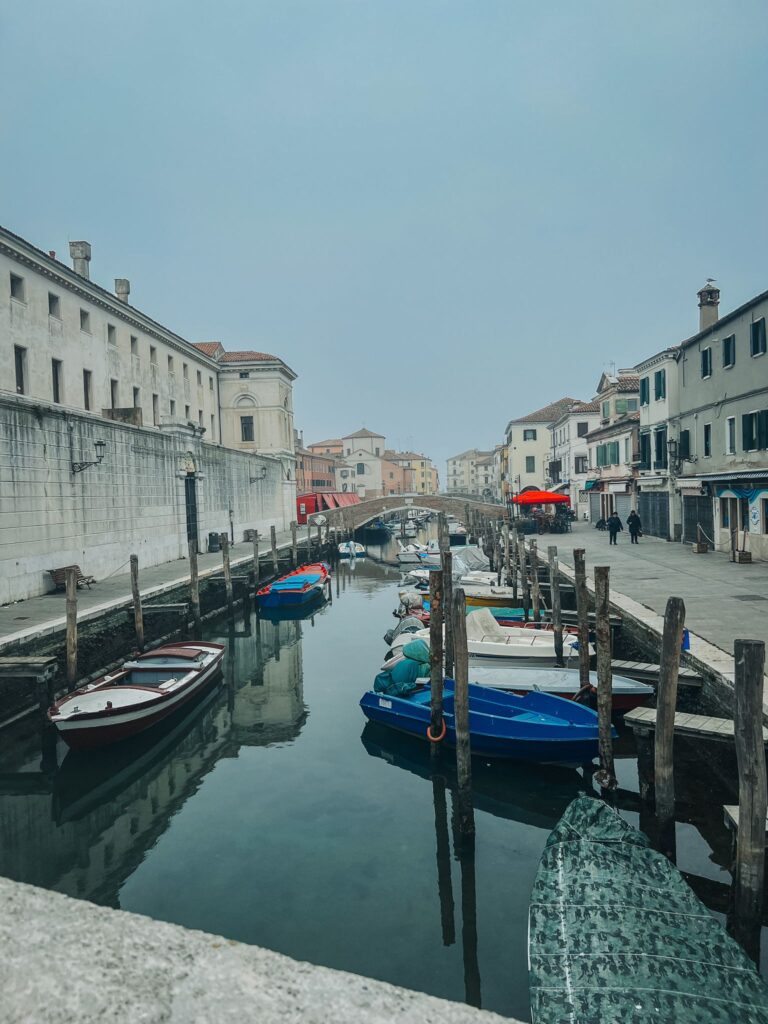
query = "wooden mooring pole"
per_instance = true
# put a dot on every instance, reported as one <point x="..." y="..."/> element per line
<point x="273" y="542"/>
<point x="446" y="559"/>
<point x="605" y="776"/>
<point x="309" y="541"/>
<point x="294" y="546"/>
<point x="224" y="541"/>
<point x="71" y="583"/>
<point x="750" y="757"/>
<point x="465" y="815"/>
<point x="194" y="586"/>
<point x="506" y="554"/>
<point x="522" y="561"/>
<point x="535" y="582"/>
<point x="554" y="590"/>
<point x="515" y="566"/>
<point x="138" y="614"/>
<point x="666" y="702"/>
<point x="255" y="542"/>
<point x="582" y="614"/>
<point x="436" y="675"/>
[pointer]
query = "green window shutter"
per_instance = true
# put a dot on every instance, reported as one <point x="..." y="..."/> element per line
<point x="644" y="391"/>
<point x="684" y="447"/>
<point x="746" y="432"/>
<point x="762" y="429"/>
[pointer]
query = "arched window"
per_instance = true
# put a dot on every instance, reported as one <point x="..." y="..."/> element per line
<point x="245" y="400"/>
<point x="360" y="468"/>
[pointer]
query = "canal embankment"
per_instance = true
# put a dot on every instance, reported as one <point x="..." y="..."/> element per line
<point x="127" y="968"/>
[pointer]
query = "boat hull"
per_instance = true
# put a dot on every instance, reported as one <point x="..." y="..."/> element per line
<point x="293" y="599"/>
<point x="490" y="737"/>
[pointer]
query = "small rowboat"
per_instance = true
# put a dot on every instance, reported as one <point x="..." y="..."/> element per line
<point x="307" y="583"/>
<point x="535" y="727"/>
<point x="139" y="695"/>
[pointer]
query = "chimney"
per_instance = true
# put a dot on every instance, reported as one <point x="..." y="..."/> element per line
<point x="122" y="289"/>
<point x="80" y="253"/>
<point x="52" y="253"/>
<point x="709" y="300"/>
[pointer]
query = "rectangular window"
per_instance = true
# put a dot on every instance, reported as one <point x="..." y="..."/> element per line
<point x="136" y="398"/>
<point x="582" y="429"/>
<point x="17" y="288"/>
<point x="529" y="435"/>
<point x="54" y="305"/>
<point x="757" y="337"/>
<point x="580" y="464"/>
<point x="749" y="432"/>
<point x="185" y="370"/>
<point x="172" y="407"/>
<point x="134" y="345"/>
<point x="20" y="361"/>
<point x="199" y="379"/>
<point x="660" y="448"/>
<point x="156" y="410"/>
<point x="210" y="383"/>
<point x="152" y="355"/>
<point x="764" y="504"/>
<point x="730" y="436"/>
<point x="729" y="350"/>
<point x="244" y="375"/>
<point x="213" y="425"/>
<point x="613" y="453"/>
<point x="87" y="389"/>
<point x="56" y="380"/>
<point x="246" y="428"/>
<point x="660" y="384"/>
<point x="645" y="391"/>
<point x="85" y="321"/>
<point x="645" y="451"/>
<point x="706" y="363"/>
<point x="170" y="364"/>
<point x="707" y="440"/>
<point x="606" y="410"/>
<point x="113" y="394"/>
<point x="530" y="463"/>
<point x="186" y="413"/>
<point x="725" y="513"/>
<point x="684" y="445"/>
<point x="112" y="335"/>
<point x="627" y="452"/>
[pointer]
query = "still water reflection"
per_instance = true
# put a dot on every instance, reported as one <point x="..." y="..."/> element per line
<point x="272" y="814"/>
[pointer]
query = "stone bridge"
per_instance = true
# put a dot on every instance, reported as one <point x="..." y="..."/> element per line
<point x="355" y="516"/>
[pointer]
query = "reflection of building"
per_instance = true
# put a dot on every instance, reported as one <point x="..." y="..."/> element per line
<point x="85" y="832"/>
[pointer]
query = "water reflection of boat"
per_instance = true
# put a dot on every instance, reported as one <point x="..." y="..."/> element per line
<point x="297" y="612"/>
<point x="504" y="789"/>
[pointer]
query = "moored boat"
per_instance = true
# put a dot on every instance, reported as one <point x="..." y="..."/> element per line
<point x="534" y="727"/>
<point x="351" y="549"/>
<point x="143" y="692"/>
<point x="615" y="934"/>
<point x="307" y="583"/>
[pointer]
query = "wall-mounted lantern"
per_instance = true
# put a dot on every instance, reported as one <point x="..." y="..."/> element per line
<point x="100" y="446"/>
<point x="261" y="474"/>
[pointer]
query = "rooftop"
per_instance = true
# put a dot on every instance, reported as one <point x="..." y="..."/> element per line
<point x="548" y="414"/>
<point x="333" y="442"/>
<point x="362" y="432"/>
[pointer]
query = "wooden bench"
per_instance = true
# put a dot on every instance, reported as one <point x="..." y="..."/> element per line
<point x="59" y="577"/>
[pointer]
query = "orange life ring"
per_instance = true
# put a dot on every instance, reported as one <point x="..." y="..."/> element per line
<point x="436" y="739"/>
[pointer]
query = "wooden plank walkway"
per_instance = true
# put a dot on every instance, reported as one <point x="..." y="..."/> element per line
<point x="648" y="672"/>
<point x="701" y="726"/>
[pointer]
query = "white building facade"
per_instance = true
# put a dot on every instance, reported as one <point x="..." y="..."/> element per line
<point x="569" y="455"/>
<point x="528" y="446"/>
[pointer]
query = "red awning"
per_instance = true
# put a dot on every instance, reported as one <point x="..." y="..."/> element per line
<point x="329" y="499"/>
<point x="541" y="498"/>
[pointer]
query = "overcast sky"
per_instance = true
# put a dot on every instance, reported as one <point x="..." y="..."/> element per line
<point x="441" y="213"/>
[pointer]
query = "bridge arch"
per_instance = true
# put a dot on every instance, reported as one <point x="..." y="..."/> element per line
<point x="355" y="516"/>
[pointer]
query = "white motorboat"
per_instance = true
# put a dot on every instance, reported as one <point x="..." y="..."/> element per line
<point x="351" y="549"/>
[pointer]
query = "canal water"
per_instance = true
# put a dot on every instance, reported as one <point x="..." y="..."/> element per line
<point x="270" y="813"/>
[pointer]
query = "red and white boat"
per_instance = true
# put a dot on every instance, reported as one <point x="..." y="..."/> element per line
<point x="139" y="695"/>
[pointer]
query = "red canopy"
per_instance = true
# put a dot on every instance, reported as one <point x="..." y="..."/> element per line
<point x="541" y="498"/>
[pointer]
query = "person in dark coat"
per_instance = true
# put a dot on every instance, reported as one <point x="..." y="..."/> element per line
<point x="634" y="526"/>
<point x="614" y="525"/>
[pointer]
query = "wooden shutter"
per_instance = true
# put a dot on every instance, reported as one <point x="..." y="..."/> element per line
<point x="684" y="446"/>
<point x="747" y="432"/>
<point x="762" y="429"/>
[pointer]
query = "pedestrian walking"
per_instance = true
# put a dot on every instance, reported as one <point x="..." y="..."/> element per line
<point x="614" y="525"/>
<point x="634" y="526"/>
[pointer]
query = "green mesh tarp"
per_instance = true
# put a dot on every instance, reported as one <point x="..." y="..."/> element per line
<point x="616" y="936"/>
<point x="406" y="673"/>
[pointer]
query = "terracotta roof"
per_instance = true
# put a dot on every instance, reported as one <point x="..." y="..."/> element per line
<point x="247" y="356"/>
<point x="325" y="444"/>
<point x="363" y="432"/>
<point x="549" y="413"/>
<point x="585" y="407"/>
<point x="208" y="348"/>
<point x="628" y="384"/>
<point x="390" y="453"/>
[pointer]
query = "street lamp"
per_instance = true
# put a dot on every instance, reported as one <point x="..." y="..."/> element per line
<point x="100" y="446"/>
<point x="260" y="475"/>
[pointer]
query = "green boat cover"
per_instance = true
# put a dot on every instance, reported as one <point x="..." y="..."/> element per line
<point x="616" y="936"/>
<point x="403" y="678"/>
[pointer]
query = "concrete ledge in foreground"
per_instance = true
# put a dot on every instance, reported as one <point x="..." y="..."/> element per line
<point x="65" y="960"/>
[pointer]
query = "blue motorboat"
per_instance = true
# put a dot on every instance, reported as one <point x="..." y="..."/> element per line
<point x="532" y="727"/>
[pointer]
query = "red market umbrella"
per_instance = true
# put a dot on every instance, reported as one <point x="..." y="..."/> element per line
<point x="541" y="498"/>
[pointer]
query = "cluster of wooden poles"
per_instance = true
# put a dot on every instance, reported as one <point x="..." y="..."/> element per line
<point x="506" y="549"/>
